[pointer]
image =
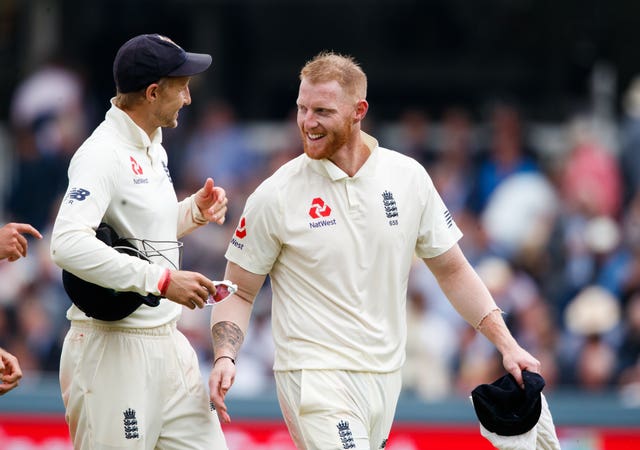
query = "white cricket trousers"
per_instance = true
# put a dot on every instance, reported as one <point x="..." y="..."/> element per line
<point x="135" y="389"/>
<point x="337" y="409"/>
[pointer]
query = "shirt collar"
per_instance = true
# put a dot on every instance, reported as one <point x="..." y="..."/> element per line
<point x="130" y="130"/>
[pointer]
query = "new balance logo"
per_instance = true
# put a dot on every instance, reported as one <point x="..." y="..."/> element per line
<point x="78" y="194"/>
<point x="130" y="424"/>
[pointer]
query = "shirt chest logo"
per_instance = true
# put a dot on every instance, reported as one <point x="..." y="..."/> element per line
<point x="390" y="207"/>
<point x="136" y="168"/>
<point x="320" y="211"/>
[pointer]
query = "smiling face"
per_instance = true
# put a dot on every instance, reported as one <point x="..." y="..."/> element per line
<point x="327" y="119"/>
<point x="173" y="93"/>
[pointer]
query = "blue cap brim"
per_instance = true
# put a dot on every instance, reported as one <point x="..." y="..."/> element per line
<point x="194" y="64"/>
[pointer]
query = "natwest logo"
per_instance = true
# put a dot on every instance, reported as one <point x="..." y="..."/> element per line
<point x="241" y="231"/>
<point x="319" y="208"/>
<point x="137" y="168"/>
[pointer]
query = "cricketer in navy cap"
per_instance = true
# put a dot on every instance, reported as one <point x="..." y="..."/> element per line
<point x="146" y="58"/>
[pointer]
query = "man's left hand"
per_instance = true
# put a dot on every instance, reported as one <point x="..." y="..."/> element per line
<point x="212" y="202"/>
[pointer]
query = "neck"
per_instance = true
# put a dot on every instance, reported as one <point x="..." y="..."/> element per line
<point x="140" y="116"/>
<point x="352" y="157"/>
<point x="142" y="119"/>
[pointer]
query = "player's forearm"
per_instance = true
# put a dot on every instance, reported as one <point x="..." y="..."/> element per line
<point x="230" y="318"/>
<point x="189" y="217"/>
<point x="470" y="297"/>
<point x="227" y="340"/>
<point x="495" y="329"/>
<point x="462" y="285"/>
<point x="229" y="323"/>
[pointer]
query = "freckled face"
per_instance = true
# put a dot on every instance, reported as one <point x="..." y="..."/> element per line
<point x="325" y="118"/>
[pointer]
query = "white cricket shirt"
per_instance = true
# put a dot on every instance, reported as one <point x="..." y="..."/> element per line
<point x="338" y="250"/>
<point x="120" y="176"/>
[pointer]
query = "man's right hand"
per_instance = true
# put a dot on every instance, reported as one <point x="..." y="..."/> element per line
<point x="10" y="372"/>
<point x="13" y="244"/>
<point x="221" y="378"/>
<point x="190" y="289"/>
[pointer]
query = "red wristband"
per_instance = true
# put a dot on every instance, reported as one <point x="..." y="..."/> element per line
<point x="163" y="284"/>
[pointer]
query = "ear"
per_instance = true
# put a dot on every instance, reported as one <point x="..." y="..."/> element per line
<point x="361" y="110"/>
<point x="151" y="92"/>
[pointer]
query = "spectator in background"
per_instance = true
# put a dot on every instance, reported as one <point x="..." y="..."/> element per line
<point x="590" y="188"/>
<point x="414" y="138"/>
<point x="519" y="215"/>
<point x="49" y="120"/>
<point x="630" y="140"/>
<point x="36" y="334"/>
<point x="591" y="182"/>
<point x="452" y="169"/>
<point x="630" y="283"/>
<point x="628" y="360"/>
<point x="592" y="321"/>
<point x="218" y="148"/>
<point x="13" y="245"/>
<point x="506" y="155"/>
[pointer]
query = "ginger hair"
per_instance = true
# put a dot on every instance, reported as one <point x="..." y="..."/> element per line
<point x="330" y="66"/>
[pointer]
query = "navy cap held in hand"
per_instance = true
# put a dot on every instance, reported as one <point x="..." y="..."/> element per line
<point x="505" y="408"/>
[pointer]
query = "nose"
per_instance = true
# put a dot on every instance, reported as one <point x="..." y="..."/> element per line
<point x="307" y="119"/>
<point x="187" y="96"/>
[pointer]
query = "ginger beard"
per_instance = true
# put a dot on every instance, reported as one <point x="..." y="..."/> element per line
<point x="329" y="144"/>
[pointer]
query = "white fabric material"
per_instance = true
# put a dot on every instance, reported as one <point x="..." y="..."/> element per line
<point x="120" y="176"/>
<point x="339" y="279"/>
<point x="364" y="402"/>
<point x="541" y="437"/>
<point x="154" y="377"/>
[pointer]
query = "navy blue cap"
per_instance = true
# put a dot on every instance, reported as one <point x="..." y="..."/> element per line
<point x="146" y="58"/>
<point x="505" y="408"/>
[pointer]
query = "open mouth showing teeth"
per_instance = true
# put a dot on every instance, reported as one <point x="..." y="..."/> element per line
<point x="314" y="137"/>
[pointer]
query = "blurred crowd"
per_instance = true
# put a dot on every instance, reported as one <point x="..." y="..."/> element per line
<point x="551" y="224"/>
